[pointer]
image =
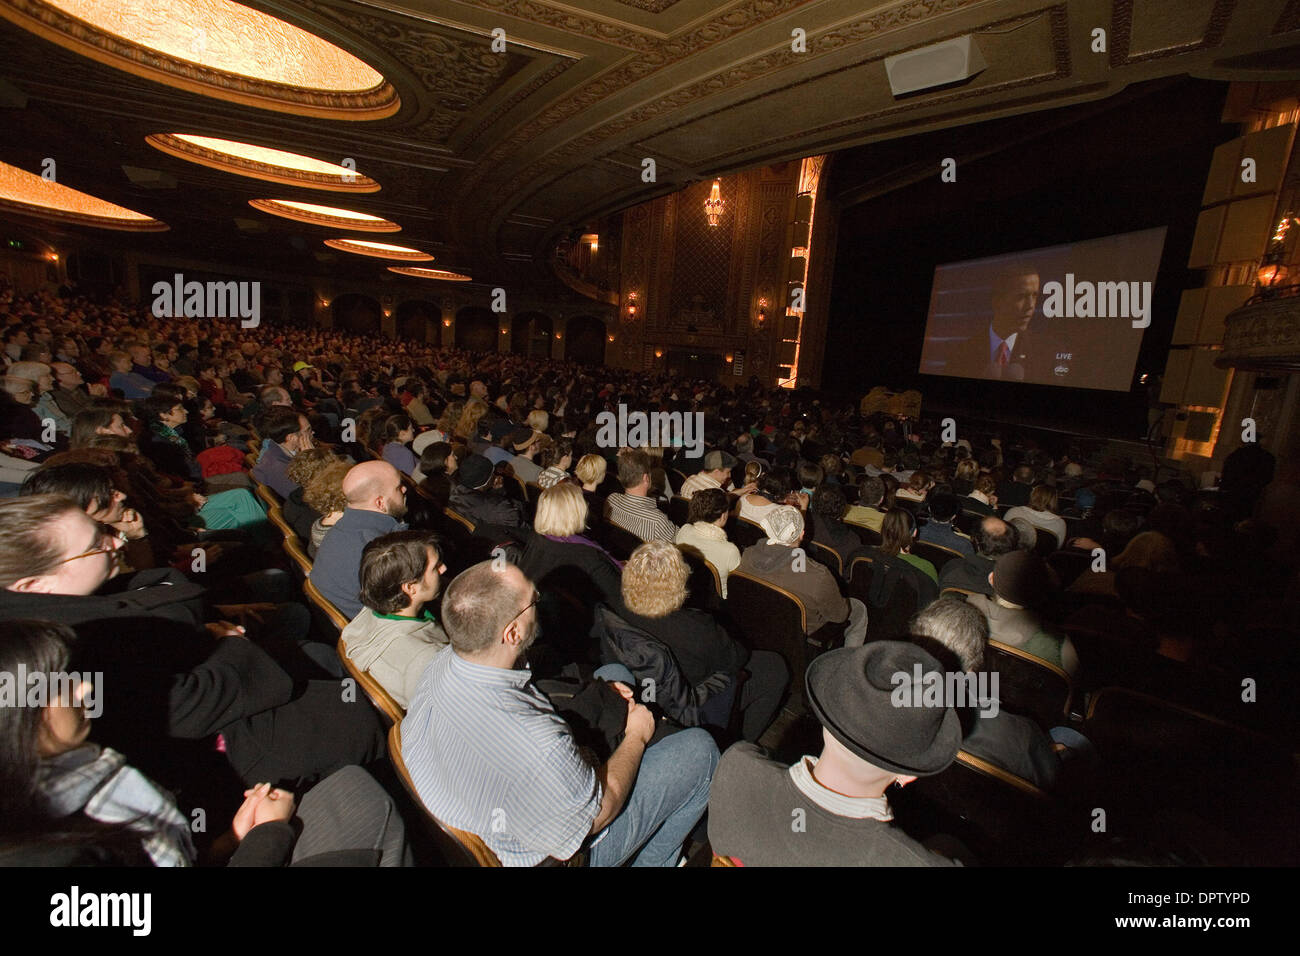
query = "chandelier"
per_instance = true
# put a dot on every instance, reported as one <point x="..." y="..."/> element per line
<point x="713" y="205"/>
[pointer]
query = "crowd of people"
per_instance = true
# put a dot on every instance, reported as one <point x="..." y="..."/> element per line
<point x="530" y="597"/>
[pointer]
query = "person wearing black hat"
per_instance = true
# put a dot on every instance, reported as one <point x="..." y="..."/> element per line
<point x="832" y="810"/>
<point x="476" y="498"/>
<point x="1022" y="584"/>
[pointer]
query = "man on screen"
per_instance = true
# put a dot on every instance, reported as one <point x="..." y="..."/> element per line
<point x="1005" y="349"/>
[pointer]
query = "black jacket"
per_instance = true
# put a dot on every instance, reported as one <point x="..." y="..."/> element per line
<point x="969" y="574"/>
<point x="700" y="644"/>
<point x="487" y="507"/>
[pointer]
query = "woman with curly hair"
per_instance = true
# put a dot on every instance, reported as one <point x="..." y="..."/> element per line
<point x="654" y="594"/>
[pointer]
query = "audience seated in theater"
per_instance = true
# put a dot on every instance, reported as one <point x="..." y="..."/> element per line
<point x="773" y="492"/>
<point x="395" y="635"/>
<point x="654" y="592"/>
<point x="867" y="511"/>
<point x="1041" y="513"/>
<point x="284" y="433"/>
<point x="67" y="801"/>
<point x="488" y="753"/>
<point x="953" y="630"/>
<point x="162" y="442"/>
<point x="376" y="499"/>
<point x="1150" y="550"/>
<point x="827" y="514"/>
<point x="323" y="494"/>
<point x="706" y="521"/>
<point x="917" y="485"/>
<point x="477" y="496"/>
<point x="938" y="529"/>
<point x="993" y="538"/>
<point x="1022" y="587"/>
<point x="525" y="452"/>
<point x="779" y="560"/>
<point x="126" y="380"/>
<point x="869" y="745"/>
<point x="897" y="533"/>
<point x="444" y="431"/>
<point x="810" y="477"/>
<point x="715" y="472"/>
<point x="632" y="509"/>
<point x="397" y="435"/>
<point x="175" y="686"/>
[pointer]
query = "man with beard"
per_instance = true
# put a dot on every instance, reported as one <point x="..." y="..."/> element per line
<point x="376" y="500"/>
<point x="488" y="753"/>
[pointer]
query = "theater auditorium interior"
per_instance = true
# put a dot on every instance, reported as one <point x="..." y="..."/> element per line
<point x="714" y="433"/>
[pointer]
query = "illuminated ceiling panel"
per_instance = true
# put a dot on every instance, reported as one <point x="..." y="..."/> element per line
<point x="261" y="162"/>
<point x="422" y="273"/>
<point x="215" y="48"/>
<point x="27" y="193"/>
<point x="380" y="250"/>
<point x="331" y="216"/>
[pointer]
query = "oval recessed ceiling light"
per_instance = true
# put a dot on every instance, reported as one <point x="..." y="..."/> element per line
<point x="380" y="250"/>
<point x="27" y="193"/>
<point x="422" y="273"/>
<point x="331" y="216"/>
<point x="216" y="48"/>
<point x="262" y="162"/>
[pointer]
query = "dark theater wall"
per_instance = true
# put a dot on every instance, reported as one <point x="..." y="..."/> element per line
<point x="1137" y="165"/>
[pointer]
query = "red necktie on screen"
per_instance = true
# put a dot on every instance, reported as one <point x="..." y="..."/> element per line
<point x="1004" y="355"/>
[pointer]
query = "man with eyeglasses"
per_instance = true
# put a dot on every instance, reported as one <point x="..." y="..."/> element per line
<point x="285" y="432"/>
<point x="172" y="681"/>
<point x="488" y="753"/>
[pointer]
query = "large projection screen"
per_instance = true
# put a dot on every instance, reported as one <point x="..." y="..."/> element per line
<point x="1069" y="315"/>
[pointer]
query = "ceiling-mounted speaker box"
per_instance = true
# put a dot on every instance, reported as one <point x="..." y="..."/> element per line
<point x="948" y="62"/>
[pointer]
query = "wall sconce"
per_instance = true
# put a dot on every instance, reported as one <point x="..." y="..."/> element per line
<point x="504" y="331"/>
<point x="324" y="303"/>
<point x="762" y="310"/>
<point x="446" y="323"/>
<point x="659" y="353"/>
<point x="609" y="338"/>
<point x="388" y="313"/>
<point x="713" y="206"/>
<point x="631" y="305"/>
<point x="54" y="257"/>
<point x="730" y="358"/>
<point x="558" y="336"/>
<point x="591" y="239"/>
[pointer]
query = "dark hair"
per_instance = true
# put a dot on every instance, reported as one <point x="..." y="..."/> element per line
<point x="170" y="390"/>
<point x="276" y="423"/>
<point x="828" y="502"/>
<point x="83" y="483"/>
<point x="39" y="647"/>
<point x="943" y="504"/>
<point x="26" y="546"/>
<point x="392" y="560"/>
<point x="872" y="491"/>
<point x="153" y="408"/>
<point x="708" y="505"/>
<point x="394" y="425"/>
<point x="810" y="474"/>
<point x="552" y="454"/>
<point x="994" y="545"/>
<point x="896" y="530"/>
<point x="775" y="484"/>
<point x="891" y="491"/>
<point x="433" y="461"/>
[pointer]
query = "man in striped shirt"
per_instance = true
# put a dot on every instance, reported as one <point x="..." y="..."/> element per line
<point x="634" y="510"/>
<point x="488" y="753"/>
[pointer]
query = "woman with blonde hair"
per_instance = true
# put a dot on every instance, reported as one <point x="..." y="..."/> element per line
<point x="591" y="471"/>
<point x="467" y="427"/>
<point x="560" y="558"/>
<point x="538" y="420"/>
<point x="654" y="595"/>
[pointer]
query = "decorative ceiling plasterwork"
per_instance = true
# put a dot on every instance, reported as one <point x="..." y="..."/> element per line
<point x="75" y="34"/>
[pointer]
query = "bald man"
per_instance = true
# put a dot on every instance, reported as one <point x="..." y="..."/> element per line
<point x="992" y="538"/>
<point x="376" y="500"/>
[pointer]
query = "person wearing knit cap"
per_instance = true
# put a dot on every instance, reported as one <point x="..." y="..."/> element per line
<point x="475" y="497"/>
<point x="832" y="810"/>
<point x="1022" y="585"/>
<point x="779" y="560"/>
